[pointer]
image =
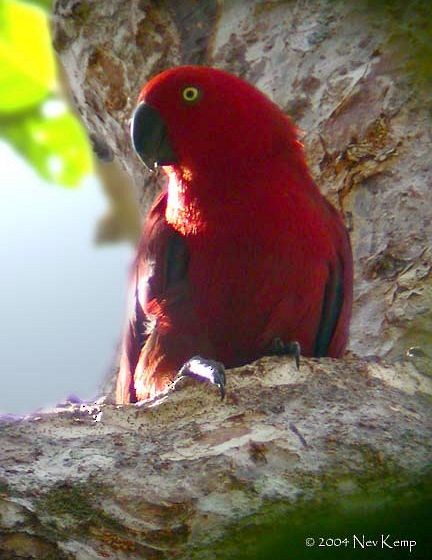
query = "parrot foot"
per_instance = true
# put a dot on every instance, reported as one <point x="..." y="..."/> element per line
<point x="280" y="348"/>
<point x="204" y="370"/>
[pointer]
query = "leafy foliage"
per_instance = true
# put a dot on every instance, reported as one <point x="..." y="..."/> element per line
<point x="52" y="141"/>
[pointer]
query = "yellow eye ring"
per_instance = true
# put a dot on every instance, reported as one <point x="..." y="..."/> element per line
<point x="191" y="94"/>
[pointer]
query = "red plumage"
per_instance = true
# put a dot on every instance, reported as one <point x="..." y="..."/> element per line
<point x="240" y="248"/>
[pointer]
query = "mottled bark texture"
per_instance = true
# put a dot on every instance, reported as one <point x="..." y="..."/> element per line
<point x="348" y="441"/>
<point x="332" y="66"/>
<point x="195" y="478"/>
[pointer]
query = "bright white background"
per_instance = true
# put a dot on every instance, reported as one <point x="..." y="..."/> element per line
<point x="61" y="296"/>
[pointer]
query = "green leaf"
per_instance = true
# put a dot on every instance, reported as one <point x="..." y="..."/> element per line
<point x="26" y="58"/>
<point x="54" y="143"/>
<point x="45" y="4"/>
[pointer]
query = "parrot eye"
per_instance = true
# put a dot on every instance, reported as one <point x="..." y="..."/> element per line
<point x="191" y="94"/>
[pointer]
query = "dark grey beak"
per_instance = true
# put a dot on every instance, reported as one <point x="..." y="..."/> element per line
<point x="150" y="138"/>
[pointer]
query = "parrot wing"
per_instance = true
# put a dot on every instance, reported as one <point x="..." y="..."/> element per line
<point x="158" y="278"/>
<point x="331" y="310"/>
<point x="338" y="295"/>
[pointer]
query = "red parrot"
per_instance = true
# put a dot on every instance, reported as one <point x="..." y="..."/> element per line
<point x="240" y="256"/>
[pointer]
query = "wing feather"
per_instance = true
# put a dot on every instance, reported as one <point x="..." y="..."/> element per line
<point x="332" y="304"/>
<point x="159" y="269"/>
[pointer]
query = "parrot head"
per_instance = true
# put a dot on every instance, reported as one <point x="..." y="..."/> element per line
<point x="202" y="118"/>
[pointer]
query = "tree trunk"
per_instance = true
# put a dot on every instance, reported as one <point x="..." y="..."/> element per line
<point x="336" y="447"/>
<point x="332" y="67"/>
<point x="192" y="477"/>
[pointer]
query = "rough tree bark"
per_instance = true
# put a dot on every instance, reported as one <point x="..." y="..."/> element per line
<point x="190" y="477"/>
<point x="194" y="478"/>
<point x="331" y="67"/>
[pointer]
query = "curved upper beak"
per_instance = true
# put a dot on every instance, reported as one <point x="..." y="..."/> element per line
<point x="150" y="137"/>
